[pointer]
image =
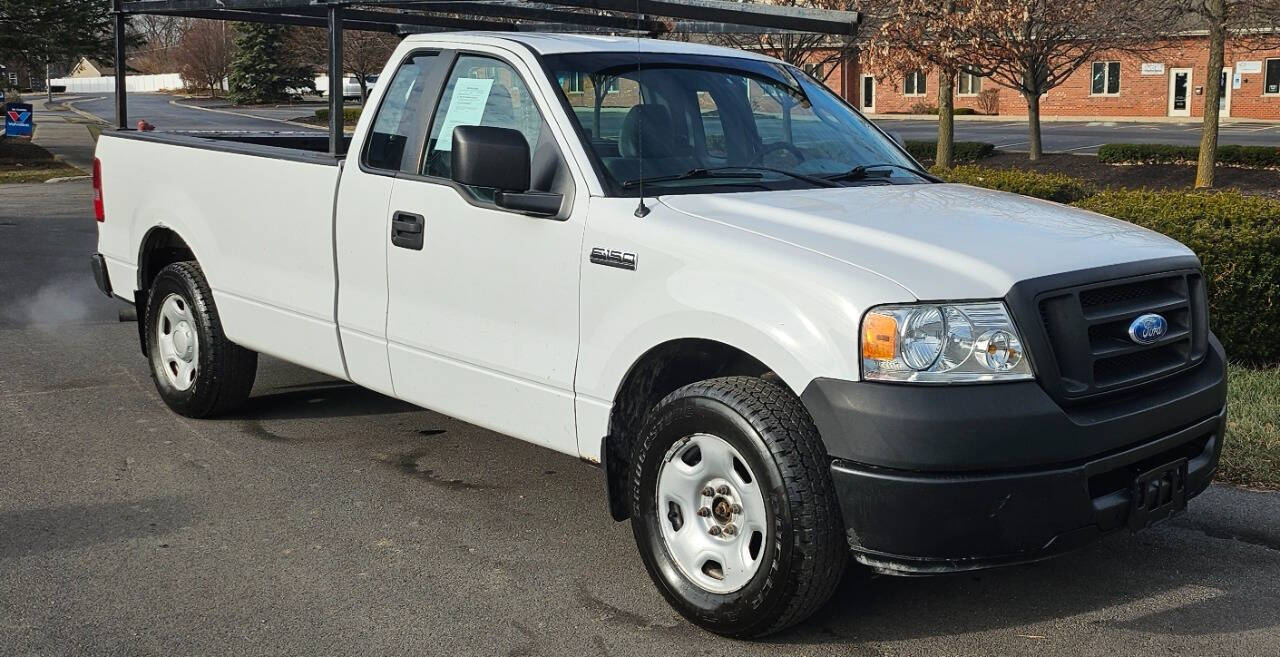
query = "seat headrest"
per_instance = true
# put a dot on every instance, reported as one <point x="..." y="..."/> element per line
<point x="648" y="125"/>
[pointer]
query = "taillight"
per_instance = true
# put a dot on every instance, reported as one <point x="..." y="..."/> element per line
<point x="99" y="212"/>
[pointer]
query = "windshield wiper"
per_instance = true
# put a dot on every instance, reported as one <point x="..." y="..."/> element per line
<point x="751" y="172"/>
<point x="688" y="175"/>
<point x="861" y="171"/>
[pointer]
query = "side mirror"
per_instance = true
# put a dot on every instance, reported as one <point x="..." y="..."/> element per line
<point x="498" y="158"/>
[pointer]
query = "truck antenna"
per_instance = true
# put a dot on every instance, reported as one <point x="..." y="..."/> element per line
<point x="642" y="210"/>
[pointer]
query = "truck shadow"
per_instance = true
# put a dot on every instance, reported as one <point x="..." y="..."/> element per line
<point x="319" y="401"/>
<point x="1175" y="580"/>
<point x="36" y="531"/>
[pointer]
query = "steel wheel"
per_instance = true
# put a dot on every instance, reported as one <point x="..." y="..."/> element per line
<point x="714" y="522"/>
<point x="178" y="340"/>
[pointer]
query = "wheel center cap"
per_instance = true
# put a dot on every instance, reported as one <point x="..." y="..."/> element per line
<point x="183" y="341"/>
<point x="722" y="510"/>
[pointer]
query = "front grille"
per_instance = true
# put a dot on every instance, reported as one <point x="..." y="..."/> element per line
<point x="1086" y="329"/>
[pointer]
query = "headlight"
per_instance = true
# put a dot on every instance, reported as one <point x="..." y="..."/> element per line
<point x="933" y="343"/>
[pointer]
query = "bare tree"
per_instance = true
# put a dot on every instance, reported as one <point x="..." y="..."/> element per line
<point x="363" y="53"/>
<point x="817" y="53"/>
<point x="158" y="39"/>
<point x="1033" y="46"/>
<point x="1220" y="18"/>
<point x="204" y="54"/>
<point x="912" y="35"/>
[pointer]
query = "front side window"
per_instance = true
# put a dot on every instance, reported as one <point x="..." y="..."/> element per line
<point x="719" y="123"/>
<point x="1272" y="83"/>
<point x="1106" y="78"/>
<point x="400" y="119"/>
<point x="916" y="84"/>
<point x="481" y="91"/>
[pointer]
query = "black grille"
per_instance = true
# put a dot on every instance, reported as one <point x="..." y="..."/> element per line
<point x="1087" y="331"/>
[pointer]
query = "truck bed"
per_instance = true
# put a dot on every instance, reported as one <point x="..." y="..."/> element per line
<point x="256" y="210"/>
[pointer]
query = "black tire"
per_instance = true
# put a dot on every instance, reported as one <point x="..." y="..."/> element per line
<point x="806" y="554"/>
<point x="224" y="371"/>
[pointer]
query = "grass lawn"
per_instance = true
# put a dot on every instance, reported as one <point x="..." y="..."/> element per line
<point x="1251" y="454"/>
<point x="24" y="162"/>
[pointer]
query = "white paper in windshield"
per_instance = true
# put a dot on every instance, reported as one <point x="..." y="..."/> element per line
<point x="466" y="107"/>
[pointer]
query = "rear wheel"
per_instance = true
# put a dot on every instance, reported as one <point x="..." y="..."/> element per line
<point x="197" y="370"/>
<point x="735" y="514"/>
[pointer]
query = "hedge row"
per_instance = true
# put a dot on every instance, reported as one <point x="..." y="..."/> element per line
<point x="962" y="151"/>
<point x="1049" y="186"/>
<point x="1236" y="237"/>
<point x="1245" y="156"/>
<point x="1238" y="240"/>
<point x="349" y="114"/>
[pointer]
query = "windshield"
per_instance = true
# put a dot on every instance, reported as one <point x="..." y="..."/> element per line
<point x="689" y="123"/>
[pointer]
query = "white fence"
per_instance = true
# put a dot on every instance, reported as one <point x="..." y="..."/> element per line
<point x="133" y="83"/>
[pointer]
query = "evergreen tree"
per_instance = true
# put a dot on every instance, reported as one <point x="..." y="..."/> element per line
<point x="262" y="71"/>
<point x="36" y="33"/>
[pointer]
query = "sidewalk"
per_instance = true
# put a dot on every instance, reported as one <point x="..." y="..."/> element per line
<point x="66" y="135"/>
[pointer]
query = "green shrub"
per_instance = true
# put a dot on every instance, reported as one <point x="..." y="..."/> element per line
<point x="1048" y="186"/>
<point x="962" y="151"/>
<point x="1245" y="156"/>
<point x="349" y="114"/>
<point x="1237" y="238"/>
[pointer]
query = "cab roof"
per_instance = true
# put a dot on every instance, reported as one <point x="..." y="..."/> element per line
<point x="556" y="44"/>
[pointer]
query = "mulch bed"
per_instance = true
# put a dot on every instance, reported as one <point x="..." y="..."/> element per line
<point x="1260" y="182"/>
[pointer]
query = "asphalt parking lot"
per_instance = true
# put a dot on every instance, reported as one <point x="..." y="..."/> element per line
<point x="328" y="520"/>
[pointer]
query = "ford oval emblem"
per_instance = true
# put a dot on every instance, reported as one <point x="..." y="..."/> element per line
<point x="1148" y="328"/>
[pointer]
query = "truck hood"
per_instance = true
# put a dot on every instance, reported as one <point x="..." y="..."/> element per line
<point x="939" y="241"/>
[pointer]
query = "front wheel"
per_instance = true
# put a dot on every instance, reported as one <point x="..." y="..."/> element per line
<point x="734" y="513"/>
<point x="197" y="370"/>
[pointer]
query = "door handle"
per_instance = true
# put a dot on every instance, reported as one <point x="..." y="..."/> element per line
<point x="407" y="230"/>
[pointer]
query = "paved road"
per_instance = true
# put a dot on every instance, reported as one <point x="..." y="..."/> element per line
<point x="1085" y="137"/>
<point x="329" y="520"/>
<point x="159" y="110"/>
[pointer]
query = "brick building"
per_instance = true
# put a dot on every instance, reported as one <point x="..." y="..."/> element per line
<point x="1168" y="80"/>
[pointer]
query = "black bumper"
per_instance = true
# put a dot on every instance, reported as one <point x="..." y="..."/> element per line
<point x="938" y="479"/>
<point x="99" y="265"/>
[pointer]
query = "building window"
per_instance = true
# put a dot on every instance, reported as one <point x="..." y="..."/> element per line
<point x="969" y="84"/>
<point x="815" y="71"/>
<point x="915" y="85"/>
<point x="1273" y="77"/>
<point x="13" y="79"/>
<point x="1106" y="78"/>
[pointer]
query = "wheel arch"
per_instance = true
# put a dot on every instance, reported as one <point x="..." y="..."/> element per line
<point x="658" y="372"/>
<point x="160" y="247"/>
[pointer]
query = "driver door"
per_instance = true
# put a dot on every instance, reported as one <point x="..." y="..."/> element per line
<point x="482" y="322"/>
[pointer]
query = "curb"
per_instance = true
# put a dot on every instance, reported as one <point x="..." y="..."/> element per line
<point x="244" y="115"/>
<point x="54" y="181"/>
<point x="70" y="104"/>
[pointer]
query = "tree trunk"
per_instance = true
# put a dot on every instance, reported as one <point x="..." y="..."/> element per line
<point x="1034" y="148"/>
<point x="1212" y="94"/>
<point x="946" y="119"/>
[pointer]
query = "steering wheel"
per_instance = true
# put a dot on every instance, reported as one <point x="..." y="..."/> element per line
<point x="778" y="146"/>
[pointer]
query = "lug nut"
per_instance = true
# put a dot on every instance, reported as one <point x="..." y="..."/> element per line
<point x="708" y="491"/>
<point x="730" y="530"/>
<point x="715" y="530"/>
<point x="704" y="511"/>
<point x="737" y="508"/>
<point x="723" y="490"/>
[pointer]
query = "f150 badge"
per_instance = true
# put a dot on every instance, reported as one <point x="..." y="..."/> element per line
<point x="612" y="258"/>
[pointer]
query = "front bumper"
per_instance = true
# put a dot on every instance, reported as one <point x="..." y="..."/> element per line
<point x="942" y="479"/>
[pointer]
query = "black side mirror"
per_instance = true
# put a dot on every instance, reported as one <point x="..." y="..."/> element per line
<point x="498" y="158"/>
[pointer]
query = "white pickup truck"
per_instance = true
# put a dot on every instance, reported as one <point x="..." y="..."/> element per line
<point x="782" y="341"/>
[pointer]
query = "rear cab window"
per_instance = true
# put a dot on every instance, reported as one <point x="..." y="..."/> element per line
<point x="400" y="122"/>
